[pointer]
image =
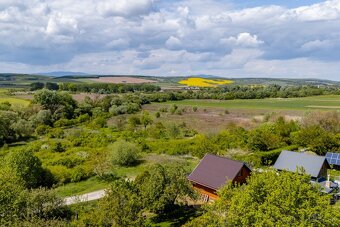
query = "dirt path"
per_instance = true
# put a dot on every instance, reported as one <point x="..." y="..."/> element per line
<point x="85" y="197"/>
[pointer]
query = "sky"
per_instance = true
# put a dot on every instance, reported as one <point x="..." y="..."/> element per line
<point x="279" y="39"/>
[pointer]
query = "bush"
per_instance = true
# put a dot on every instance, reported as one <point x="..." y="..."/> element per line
<point x="124" y="153"/>
<point x="173" y="108"/>
<point x="265" y="138"/>
<point x="61" y="174"/>
<point x="83" y="118"/>
<point x="79" y="174"/>
<point x="58" y="147"/>
<point x="27" y="167"/>
<point x="163" y="109"/>
<point x="42" y="130"/>
<point x="98" y="122"/>
<point x="56" y="133"/>
<point x="63" y="122"/>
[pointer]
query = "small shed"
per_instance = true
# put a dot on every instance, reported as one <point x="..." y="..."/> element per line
<point x="214" y="171"/>
<point x="314" y="165"/>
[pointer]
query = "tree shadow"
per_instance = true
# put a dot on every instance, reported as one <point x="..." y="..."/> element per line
<point x="178" y="215"/>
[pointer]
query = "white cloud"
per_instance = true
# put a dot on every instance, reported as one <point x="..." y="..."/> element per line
<point x="243" y="39"/>
<point x="317" y="45"/>
<point x="125" y="8"/>
<point x="173" y="43"/>
<point x="61" y="25"/>
<point x="328" y="10"/>
<point x="169" y="37"/>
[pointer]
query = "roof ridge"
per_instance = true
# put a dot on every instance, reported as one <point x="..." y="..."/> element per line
<point x="225" y="158"/>
<point x="304" y="153"/>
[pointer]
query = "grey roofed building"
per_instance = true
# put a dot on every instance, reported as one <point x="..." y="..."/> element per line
<point x="314" y="165"/>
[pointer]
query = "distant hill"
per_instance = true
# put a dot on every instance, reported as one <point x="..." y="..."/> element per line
<point x="62" y="73"/>
<point x="206" y="76"/>
<point x="23" y="80"/>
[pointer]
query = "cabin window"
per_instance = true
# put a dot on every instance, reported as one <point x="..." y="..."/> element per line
<point x="239" y="174"/>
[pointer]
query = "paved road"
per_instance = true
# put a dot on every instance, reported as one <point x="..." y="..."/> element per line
<point x="85" y="197"/>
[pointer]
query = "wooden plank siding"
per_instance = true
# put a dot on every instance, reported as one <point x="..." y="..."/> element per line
<point x="206" y="191"/>
<point x="242" y="176"/>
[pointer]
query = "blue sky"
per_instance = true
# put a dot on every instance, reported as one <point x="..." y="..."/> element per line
<point x="290" y="39"/>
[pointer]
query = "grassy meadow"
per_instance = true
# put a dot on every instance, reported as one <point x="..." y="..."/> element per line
<point x="5" y="97"/>
<point x="326" y="102"/>
<point x="147" y="160"/>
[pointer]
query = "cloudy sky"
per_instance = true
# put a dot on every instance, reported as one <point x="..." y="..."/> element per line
<point x="240" y="38"/>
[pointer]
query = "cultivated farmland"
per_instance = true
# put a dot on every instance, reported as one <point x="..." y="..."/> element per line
<point x="122" y="80"/>
<point x="202" y="82"/>
<point x="328" y="102"/>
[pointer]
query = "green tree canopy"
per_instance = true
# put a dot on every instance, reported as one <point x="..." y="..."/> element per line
<point x="161" y="186"/>
<point x="59" y="103"/>
<point x="120" y="207"/>
<point x="26" y="167"/>
<point x="124" y="153"/>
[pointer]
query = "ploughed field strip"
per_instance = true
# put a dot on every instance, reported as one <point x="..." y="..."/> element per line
<point x="329" y="102"/>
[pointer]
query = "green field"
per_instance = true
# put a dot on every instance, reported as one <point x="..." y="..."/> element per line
<point x="14" y="101"/>
<point x="79" y="188"/>
<point x="327" y="102"/>
<point x="5" y="97"/>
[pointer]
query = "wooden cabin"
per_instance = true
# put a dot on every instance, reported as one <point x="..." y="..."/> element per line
<point x="213" y="172"/>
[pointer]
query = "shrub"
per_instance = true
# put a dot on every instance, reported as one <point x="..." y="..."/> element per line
<point x="163" y="109"/>
<point x="42" y="130"/>
<point x="61" y="174"/>
<point x="56" y="133"/>
<point x="79" y="174"/>
<point x="194" y="108"/>
<point x="98" y="122"/>
<point x="124" y="153"/>
<point x="58" y="147"/>
<point x="27" y="167"/>
<point x="173" y="108"/>
<point x="83" y="118"/>
<point x="63" y="122"/>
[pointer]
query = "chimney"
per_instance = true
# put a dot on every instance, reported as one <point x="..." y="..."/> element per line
<point x="328" y="182"/>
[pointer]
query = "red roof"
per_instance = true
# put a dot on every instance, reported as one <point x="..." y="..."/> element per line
<point x="214" y="171"/>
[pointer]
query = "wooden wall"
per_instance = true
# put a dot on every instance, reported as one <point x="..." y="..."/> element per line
<point x="242" y="176"/>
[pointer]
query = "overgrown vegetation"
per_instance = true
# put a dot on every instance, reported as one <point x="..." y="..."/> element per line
<point x="57" y="140"/>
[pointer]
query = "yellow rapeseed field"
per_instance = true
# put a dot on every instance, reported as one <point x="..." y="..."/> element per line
<point x="201" y="82"/>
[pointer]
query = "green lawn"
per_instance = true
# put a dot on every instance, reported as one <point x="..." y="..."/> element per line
<point x="148" y="160"/>
<point x="5" y="97"/>
<point x="94" y="184"/>
<point x="14" y="101"/>
<point x="326" y="102"/>
<point x="79" y="188"/>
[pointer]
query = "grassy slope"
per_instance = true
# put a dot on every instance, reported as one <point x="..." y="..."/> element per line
<point x="315" y="102"/>
<point x="89" y="185"/>
<point x="4" y="97"/>
<point x="147" y="160"/>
